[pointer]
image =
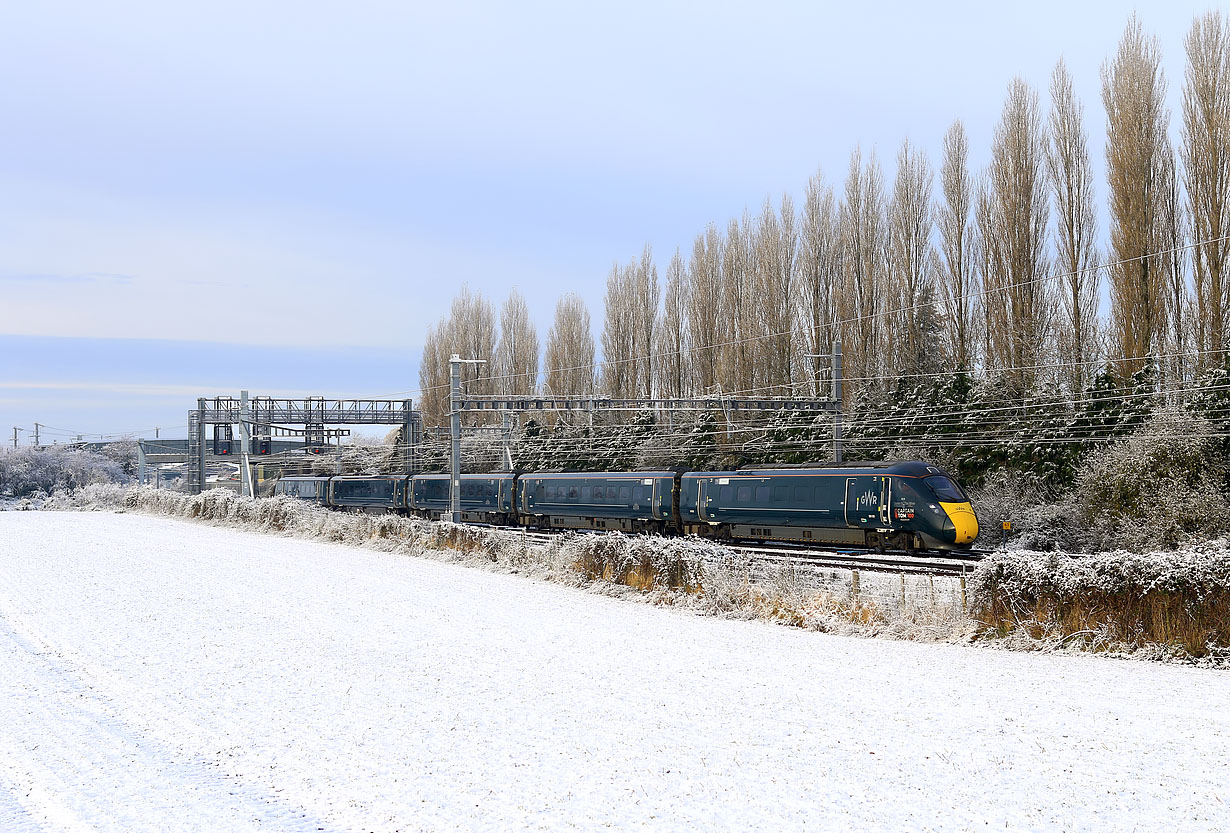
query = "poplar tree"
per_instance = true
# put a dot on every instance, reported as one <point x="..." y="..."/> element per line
<point x="1012" y="219"/>
<point x="911" y="260"/>
<point x="569" y="357"/>
<point x="1206" y="164"/>
<point x="1134" y="92"/>
<point x="1071" y="177"/>
<point x="957" y="269"/>
<point x="819" y="273"/>
<point x="517" y="353"/>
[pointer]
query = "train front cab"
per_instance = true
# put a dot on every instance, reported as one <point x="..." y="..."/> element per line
<point x="879" y="505"/>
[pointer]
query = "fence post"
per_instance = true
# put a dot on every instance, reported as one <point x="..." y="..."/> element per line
<point x="963" y="604"/>
<point x="854" y="588"/>
<point x="903" y="590"/>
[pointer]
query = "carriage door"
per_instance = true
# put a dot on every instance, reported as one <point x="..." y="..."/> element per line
<point x="866" y="499"/>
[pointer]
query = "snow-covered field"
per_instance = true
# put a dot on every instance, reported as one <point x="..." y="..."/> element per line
<point x="162" y="675"/>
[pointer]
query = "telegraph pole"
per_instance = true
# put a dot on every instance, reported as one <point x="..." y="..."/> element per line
<point x="245" y="474"/>
<point x="36" y="443"/>
<point x="837" y="400"/>
<point x="454" y="402"/>
<point x="506" y="438"/>
<point x="15" y="430"/>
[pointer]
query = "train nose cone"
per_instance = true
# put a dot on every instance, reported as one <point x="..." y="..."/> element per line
<point x="964" y="520"/>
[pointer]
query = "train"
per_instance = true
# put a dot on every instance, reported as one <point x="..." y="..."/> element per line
<point x="911" y="505"/>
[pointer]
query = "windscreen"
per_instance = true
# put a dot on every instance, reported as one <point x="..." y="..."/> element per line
<point x="946" y="490"/>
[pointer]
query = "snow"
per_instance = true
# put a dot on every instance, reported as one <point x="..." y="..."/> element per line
<point x="163" y="675"/>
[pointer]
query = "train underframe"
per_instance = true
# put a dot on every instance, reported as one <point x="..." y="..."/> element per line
<point x="870" y="539"/>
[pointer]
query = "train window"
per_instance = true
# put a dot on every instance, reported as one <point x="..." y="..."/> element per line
<point x="779" y="494"/>
<point x="587" y="493"/>
<point x="946" y="490"/>
<point x="801" y="494"/>
<point x="762" y="494"/>
<point x="550" y="491"/>
<point x="745" y="494"/>
<point x="725" y="493"/>
<point x="599" y="493"/>
<point x="572" y="492"/>
<point x="638" y="494"/>
<point x="625" y="493"/>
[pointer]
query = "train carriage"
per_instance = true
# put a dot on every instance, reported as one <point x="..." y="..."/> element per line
<point x="628" y="501"/>
<point x="314" y="489"/>
<point x="485" y="498"/>
<point x="368" y="493"/>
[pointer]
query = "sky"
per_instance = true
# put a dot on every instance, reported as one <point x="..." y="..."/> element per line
<point x="282" y="197"/>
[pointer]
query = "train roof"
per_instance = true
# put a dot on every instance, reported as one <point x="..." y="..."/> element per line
<point x="489" y="475"/>
<point x="599" y="474"/>
<point x="908" y="468"/>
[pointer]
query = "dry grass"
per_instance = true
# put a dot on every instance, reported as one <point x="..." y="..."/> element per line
<point x="1173" y="605"/>
<point x="1117" y="601"/>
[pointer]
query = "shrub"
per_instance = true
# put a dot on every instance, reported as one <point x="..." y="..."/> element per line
<point x="1120" y="599"/>
<point x="1161" y="486"/>
<point x="27" y="471"/>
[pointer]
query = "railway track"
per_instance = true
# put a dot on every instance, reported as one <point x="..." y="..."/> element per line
<point x="835" y="558"/>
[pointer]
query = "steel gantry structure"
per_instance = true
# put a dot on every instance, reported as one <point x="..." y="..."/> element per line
<point x="265" y="416"/>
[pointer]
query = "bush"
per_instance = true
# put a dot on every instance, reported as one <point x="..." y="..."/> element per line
<point x="1179" y="599"/>
<point x="1163" y="485"/>
<point x="26" y="472"/>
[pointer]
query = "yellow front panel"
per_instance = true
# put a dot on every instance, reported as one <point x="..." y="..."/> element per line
<point x="963" y="518"/>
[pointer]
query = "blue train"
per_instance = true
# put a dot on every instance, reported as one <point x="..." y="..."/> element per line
<point x="903" y="506"/>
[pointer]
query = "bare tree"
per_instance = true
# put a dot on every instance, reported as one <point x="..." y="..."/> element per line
<point x="1071" y="177"/>
<point x="471" y="331"/>
<point x="1206" y="162"/>
<point x="517" y="353"/>
<point x="647" y="294"/>
<point x="819" y="273"/>
<point x="569" y="357"/>
<point x="1177" y="336"/>
<point x="632" y="297"/>
<point x="735" y="371"/>
<point x="1134" y="92"/>
<point x="861" y="302"/>
<point x="671" y="345"/>
<point x="706" y="310"/>
<point x="468" y="331"/>
<point x="957" y="284"/>
<point x="433" y="375"/>
<point x="911" y="262"/>
<point x="775" y="253"/>
<point x="618" y="337"/>
<point x="1012" y="218"/>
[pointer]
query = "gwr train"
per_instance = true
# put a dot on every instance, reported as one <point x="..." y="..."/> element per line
<point x="904" y="505"/>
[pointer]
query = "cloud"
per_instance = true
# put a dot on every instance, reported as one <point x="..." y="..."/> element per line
<point x="85" y="277"/>
<point x="130" y="389"/>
